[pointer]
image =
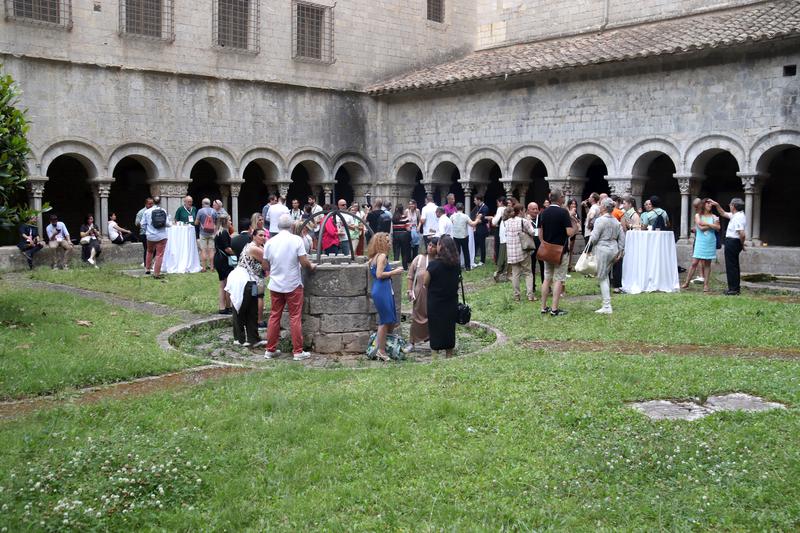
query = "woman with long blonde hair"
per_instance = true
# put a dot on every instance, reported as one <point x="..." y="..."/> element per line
<point x="382" y="295"/>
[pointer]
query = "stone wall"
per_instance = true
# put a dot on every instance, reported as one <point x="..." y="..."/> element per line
<point x="505" y="21"/>
<point x="338" y="314"/>
<point x="371" y="40"/>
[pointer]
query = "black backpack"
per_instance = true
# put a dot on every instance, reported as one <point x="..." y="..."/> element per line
<point x="159" y="218"/>
<point x="659" y="222"/>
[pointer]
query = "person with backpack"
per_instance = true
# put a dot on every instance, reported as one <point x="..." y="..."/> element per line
<point x="207" y="222"/>
<point x="654" y="216"/>
<point x="155" y="223"/>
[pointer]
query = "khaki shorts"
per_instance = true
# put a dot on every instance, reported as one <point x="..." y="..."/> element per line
<point x="557" y="272"/>
<point x="206" y="242"/>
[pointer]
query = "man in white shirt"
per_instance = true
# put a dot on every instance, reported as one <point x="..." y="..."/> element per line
<point x="156" y="237"/>
<point x="428" y="222"/>
<point x="734" y="242"/>
<point x="274" y="214"/>
<point x="58" y="239"/>
<point x="445" y="226"/>
<point x="284" y="254"/>
<point x="593" y="205"/>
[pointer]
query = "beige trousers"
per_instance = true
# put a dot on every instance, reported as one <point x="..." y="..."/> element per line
<point x="524" y="268"/>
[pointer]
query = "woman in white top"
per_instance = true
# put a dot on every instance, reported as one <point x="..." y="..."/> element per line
<point x="116" y="233"/>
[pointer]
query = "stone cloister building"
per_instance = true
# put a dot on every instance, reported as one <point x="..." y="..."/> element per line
<point x="234" y="99"/>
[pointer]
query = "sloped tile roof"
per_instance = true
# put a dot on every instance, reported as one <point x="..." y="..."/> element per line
<point x="760" y="22"/>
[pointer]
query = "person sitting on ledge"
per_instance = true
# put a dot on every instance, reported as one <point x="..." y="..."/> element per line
<point x="29" y="243"/>
<point x="117" y="233"/>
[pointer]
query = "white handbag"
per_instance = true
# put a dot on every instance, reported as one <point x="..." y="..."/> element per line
<point x="587" y="263"/>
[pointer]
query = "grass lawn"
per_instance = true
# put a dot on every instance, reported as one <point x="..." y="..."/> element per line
<point x="193" y="292"/>
<point x="45" y="350"/>
<point x="513" y="440"/>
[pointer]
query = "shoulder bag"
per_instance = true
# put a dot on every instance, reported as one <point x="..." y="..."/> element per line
<point x="527" y="242"/>
<point x="464" y="311"/>
<point x="587" y="263"/>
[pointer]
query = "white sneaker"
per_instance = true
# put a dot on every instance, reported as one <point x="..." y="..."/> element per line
<point x="260" y="343"/>
<point x="91" y="261"/>
<point x="698" y="279"/>
<point x="604" y="310"/>
<point x="237" y="343"/>
<point x="142" y="265"/>
<point x="300" y="356"/>
<point x="270" y="355"/>
<point x="246" y="344"/>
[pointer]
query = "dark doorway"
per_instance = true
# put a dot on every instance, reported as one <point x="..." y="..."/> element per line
<point x="661" y="182"/>
<point x="343" y="187"/>
<point x="204" y="183"/>
<point x="254" y="193"/>
<point x="300" y="189"/>
<point x="596" y="178"/>
<point x="532" y="172"/>
<point x="128" y="192"/>
<point x="455" y="187"/>
<point x="69" y="193"/>
<point x="778" y="225"/>
<point x="494" y="189"/>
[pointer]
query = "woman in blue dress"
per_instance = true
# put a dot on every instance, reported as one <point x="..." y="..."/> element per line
<point x="382" y="294"/>
<point x="705" y="243"/>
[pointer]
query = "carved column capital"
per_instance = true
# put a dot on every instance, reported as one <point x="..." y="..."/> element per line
<point x="36" y="186"/>
<point x="235" y="188"/>
<point x="170" y="189"/>
<point x="103" y="190"/>
<point x="751" y="182"/>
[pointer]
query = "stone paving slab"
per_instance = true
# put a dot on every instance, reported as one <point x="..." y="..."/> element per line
<point x="694" y="410"/>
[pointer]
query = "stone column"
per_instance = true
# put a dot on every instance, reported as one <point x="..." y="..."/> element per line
<point x="225" y="192"/>
<point x="467" y="197"/>
<point x="752" y="184"/>
<point x="571" y="186"/>
<point x="327" y="190"/>
<point x="102" y="191"/>
<point x="687" y="185"/>
<point x="236" y="188"/>
<point x="35" y="194"/>
<point x="523" y="190"/>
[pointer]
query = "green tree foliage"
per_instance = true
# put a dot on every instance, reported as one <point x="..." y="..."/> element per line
<point x="13" y="151"/>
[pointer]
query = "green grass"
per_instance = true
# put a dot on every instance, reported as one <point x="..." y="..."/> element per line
<point x="45" y="350"/>
<point x="513" y="440"/>
<point x="678" y="318"/>
<point x="193" y="292"/>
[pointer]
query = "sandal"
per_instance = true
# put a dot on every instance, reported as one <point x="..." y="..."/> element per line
<point x="382" y="357"/>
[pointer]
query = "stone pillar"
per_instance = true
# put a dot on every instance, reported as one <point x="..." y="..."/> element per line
<point x="102" y="191"/>
<point x="752" y="184"/>
<point x="327" y="190"/>
<point x="467" y="197"/>
<point x="225" y="192"/>
<point x="35" y="193"/>
<point x="523" y="190"/>
<point x="687" y="183"/>
<point x="236" y="188"/>
<point x="571" y="186"/>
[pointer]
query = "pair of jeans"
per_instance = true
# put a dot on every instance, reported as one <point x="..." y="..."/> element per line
<point x="344" y="245"/>
<point x="463" y="246"/>
<point x="280" y="300"/>
<point x="245" y="320"/>
<point x="332" y="249"/>
<point x="480" y="245"/>
<point x="616" y="275"/>
<point x="533" y="269"/>
<point x="155" y="255"/>
<point x="733" y="247"/>
<point x="401" y="246"/>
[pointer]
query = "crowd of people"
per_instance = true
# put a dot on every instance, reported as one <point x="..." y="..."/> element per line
<point x="433" y="245"/>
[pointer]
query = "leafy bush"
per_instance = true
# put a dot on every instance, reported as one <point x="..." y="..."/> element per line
<point x="14" y="150"/>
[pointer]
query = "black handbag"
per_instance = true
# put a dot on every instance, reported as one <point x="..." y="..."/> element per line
<point x="464" y="311"/>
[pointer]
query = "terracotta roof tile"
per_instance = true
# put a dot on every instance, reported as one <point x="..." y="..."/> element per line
<point x="760" y="22"/>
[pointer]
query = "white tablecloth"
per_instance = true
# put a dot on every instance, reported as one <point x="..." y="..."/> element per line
<point x="180" y="255"/>
<point x="651" y="262"/>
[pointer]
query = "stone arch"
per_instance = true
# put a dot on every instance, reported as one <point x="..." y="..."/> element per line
<point x="700" y="152"/>
<point x="438" y="159"/>
<point x="220" y="158"/>
<point x="576" y="159"/>
<point x="353" y="161"/>
<point x="272" y="163"/>
<point x="88" y="154"/>
<point x="484" y="154"/>
<point x="765" y="148"/>
<point x="404" y="161"/>
<point x="526" y="152"/>
<point x="315" y="161"/>
<point x="352" y="175"/>
<point x="639" y="156"/>
<point x="150" y="157"/>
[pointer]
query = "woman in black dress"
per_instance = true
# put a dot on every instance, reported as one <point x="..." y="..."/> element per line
<point x="223" y="250"/>
<point x="441" y="282"/>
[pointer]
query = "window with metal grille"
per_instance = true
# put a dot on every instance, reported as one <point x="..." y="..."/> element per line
<point x="313" y="32"/>
<point x="146" y="18"/>
<point x="436" y="10"/>
<point x="236" y="25"/>
<point x="50" y="12"/>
